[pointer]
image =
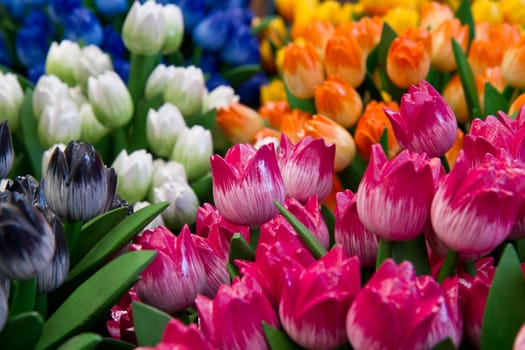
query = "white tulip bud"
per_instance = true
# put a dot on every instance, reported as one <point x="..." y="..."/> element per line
<point x="185" y="90"/>
<point x="221" y="96"/>
<point x="48" y="90"/>
<point x="183" y="203"/>
<point x="133" y="174"/>
<point x="59" y="123"/>
<point x="174" y="29"/>
<point x="163" y="128"/>
<point x="92" y="130"/>
<point x="91" y="63"/>
<point x="193" y="150"/>
<point x="11" y="99"/>
<point x="158" y="80"/>
<point x="144" y="29"/>
<point x="62" y="60"/>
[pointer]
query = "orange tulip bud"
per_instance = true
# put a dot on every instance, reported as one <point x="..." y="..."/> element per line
<point x="366" y="31"/>
<point x="317" y="33"/>
<point x="455" y="96"/>
<point x="408" y="61"/>
<point x="292" y="124"/>
<point x="302" y="69"/>
<point x="337" y="100"/>
<point x="266" y="135"/>
<point x="345" y="58"/>
<point x="513" y="63"/>
<point x="320" y="126"/>
<point x="483" y="54"/>
<point x="442" y="54"/>
<point x="371" y="126"/>
<point x="274" y="112"/>
<point x="433" y="14"/>
<point x="239" y="123"/>
<point x="452" y="154"/>
<point x="517" y="103"/>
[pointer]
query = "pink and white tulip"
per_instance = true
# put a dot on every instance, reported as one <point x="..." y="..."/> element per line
<point x="181" y="337"/>
<point x="176" y="275"/>
<point x="310" y="216"/>
<point x="394" y="196"/>
<point x="315" y="300"/>
<point x="307" y="167"/>
<point x="214" y="261"/>
<point x="350" y="231"/>
<point x="474" y="209"/>
<point x="245" y="184"/>
<point x="425" y="122"/>
<point x="241" y="306"/>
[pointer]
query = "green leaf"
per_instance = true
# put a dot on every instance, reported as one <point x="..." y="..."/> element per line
<point x="28" y="125"/>
<point x="23" y="294"/>
<point x="467" y="80"/>
<point x="138" y="132"/>
<point x="206" y="120"/>
<point x="22" y="332"/>
<point x="304" y="233"/>
<point x="277" y="339"/>
<point x="238" y="75"/>
<point x="505" y="307"/>
<point x="91" y="301"/>
<point x="256" y="30"/>
<point x="114" y="240"/>
<point x="304" y="104"/>
<point x="415" y="251"/>
<point x="383" y="141"/>
<point x="203" y="188"/>
<point x="240" y="249"/>
<point x="83" y="341"/>
<point x="140" y="68"/>
<point x="351" y="176"/>
<point x="95" y="229"/>
<point x="24" y="82"/>
<point x="494" y="101"/>
<point x="464" y="14"/>
<point x="329" y="219"/>
<point x="371" y="86"/>
<point x="387" y="36"/>
<point x="149" y="323"/>
<point x="115" y="344"/>
<point x="446" y="344"/>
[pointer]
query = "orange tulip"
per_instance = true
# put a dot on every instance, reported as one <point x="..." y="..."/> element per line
<point x="302" y="69"/>
<point x="317" y="33"/>
<point x="330" y="200"/>
<point x="408" y="61"/>
<point x="483" y="54"/>
<point x="239" y="123"/>
<point x="452" y="154"/>
<point x="513" y="63"/>
<point x="371" y="126"/>
<point x="345" y="58"/>
<point x="517" y="103"/>
<point x="292" y="124"/>
<point x="367" y="32"/>
<point x="433" y="14"/>
<point x="454" y="94"/>
<point x="274" y="112"/>
<point x="266" y="135"/>
<point x="319" y="126"/>
<point x="337" y="100"/>
<point x="442" y="54"/>
<point x="375" y="7"/>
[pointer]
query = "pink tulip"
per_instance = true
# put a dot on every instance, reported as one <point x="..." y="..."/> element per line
<point x="181" y="337"/>
<point x="519" y="341"/>
<point x="474" y="209"/>
<point x="486" y="136"/>
<point x="245" y="184"/>
<point x="209" y="218"/>
<point x="394" y="196"/>
<point x="310" y="216"/>
<point x="176" y="275"/>
<point x="425" y="122"/>
<point x="307" y="167"/>
<point x="120" y="326"/>
<point x="473" y="293"/>
<point x="315" y="300"/>
<point x="214" y="262"/>
<point x="350" y="231"/>
<point x="395" y="310"/>
<point x="233" y="319"/>
<point x="279" y="247"/>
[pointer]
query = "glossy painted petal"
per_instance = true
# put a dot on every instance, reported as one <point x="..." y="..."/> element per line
<point x="310" y="215"/>
<point x="7" y="154"/>
<point x="177" y="335"/>
<point x="214" y="265"/>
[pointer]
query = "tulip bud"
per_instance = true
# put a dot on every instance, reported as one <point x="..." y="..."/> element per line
<point x="425" y="122"/>
<point x="512" y="61"/>
<point x="11" y="99"/>
<point x="110" y="99"/>
<point x="176" y="275"/>
<point x="350" y="231"/>
<point x="315" y="300"/>
<point x="307" y="167"/>
<point x="337" y="100"/>
<point x="185" y="90"/>
<point x="220" y="97"/>
<point x="163" y="128"/>
<point x="91" y="129"/>
<point x="346" y="59"/>
<point x="442" y="54"/>
<point x="133" y="174"/>
<point x="158" y="80"/>
<point x="245" y="184"/>
<point x="27" y="241"/>
<point x="7" y="154"/>
<point x="48" y="90"/>
<point x="193" y="150"/>
<point x="144" y="29"/>
<point x="77" y="185"/>
<point x="310" y="216"/>
<point x="177" y="335"/>
<point x="302" y="69"/>
<point x="183" y="203"/>
<point x="174" y="29"/>
<point x="317" y="33"/>
<point x="214" y="267"/>
<point x="166" y="172"/>
<point x="433" y="14"/>
<point x="62" y="59"/>
<point x="59" y="123"/>
<point x="46" y="156"/>
<point x="242" y="305"/>
<point x="239" y="123"/>
<point x="401" y="19"/>
<point x="320" y="126"/>
<point x="394" y="197"/>
<point x="91" y="63"/>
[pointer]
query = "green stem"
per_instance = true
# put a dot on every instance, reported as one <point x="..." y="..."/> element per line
<point x="415" y="251"/>
<point x="140" y="68"/>
<point x="254" y="237"/>
<point x="449" y="265"/>
<point x="383" y="252"/>
<point x="470" y="267"/>
<point x="23" y="294"/>
<point x="120" y="141"/>
<point x="41" y="304"/>
<point x="73" y="230"/>
<point x="444" y="161"/>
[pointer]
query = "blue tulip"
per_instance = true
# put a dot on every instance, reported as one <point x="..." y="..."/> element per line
<point x="5" y="57"/>
<point x="121" y="67"/>
<point x="83" y="25"/>
<point x="193" y="12"/>
<point x="15" y="8"/>
<point x="60" y="9"/>
<point x="112" y="43"/>
<point x="110" y="8"/>
<point x="212" y="32"/>
<point x="33" y="38"/>
<point x="216" y="80"/>
<point x="35" y="71"/>
<point x="242" y="48"/>
<point x="209" y="62"/>
<point x="249" y="91"/>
